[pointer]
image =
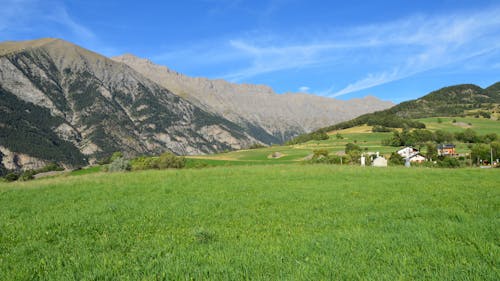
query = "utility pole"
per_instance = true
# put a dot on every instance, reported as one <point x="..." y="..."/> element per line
<point x="491" y="155"/>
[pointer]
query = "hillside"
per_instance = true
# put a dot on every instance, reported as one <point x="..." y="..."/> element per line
<point x="59" y="97"/>
<point x="459" y="100"/>
<point x="253" y="107"/>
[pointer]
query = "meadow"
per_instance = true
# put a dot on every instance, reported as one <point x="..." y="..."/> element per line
<point x="273" y="222"/>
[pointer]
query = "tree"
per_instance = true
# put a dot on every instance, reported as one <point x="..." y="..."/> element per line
<point x="431" y="152"/>
<point x="480" y="151"/>
<point x="396" y="159"/>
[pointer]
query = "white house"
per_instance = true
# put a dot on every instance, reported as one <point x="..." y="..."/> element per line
<point x="411" y="153"/>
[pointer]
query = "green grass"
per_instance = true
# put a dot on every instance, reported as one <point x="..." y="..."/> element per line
<point x="278" y="222"/>
<point x="480" y="125"/>
<point x="89" y="170"/>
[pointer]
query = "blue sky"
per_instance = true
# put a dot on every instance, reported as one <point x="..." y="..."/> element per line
<point x="341" y="49"/>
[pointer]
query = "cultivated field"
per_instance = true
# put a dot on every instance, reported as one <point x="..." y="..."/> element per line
<point x="278" y="222"/>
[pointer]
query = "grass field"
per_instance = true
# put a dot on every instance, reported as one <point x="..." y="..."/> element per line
<point x="277" y="222"/>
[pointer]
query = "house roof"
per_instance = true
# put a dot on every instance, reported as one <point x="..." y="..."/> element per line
<point x="444" y="146"/>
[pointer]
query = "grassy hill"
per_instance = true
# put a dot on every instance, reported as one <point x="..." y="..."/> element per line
<point x="275" y="222"/>
<point x="460" y="100"/>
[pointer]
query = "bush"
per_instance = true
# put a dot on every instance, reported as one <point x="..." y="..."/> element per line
<point x="352" y="147"/>
<point x="144" y="163"/>
<point x="396" y="159"/>
<point x="119" y="165"/>
<point x="169" y="160"/>
<point x="49" y="168"/>
<point x="11" y="177"/>
<point x="320" y="153"/>
<point x="27" y="175"/>
<point x="256" y="146"/>
<point x="448" y="162"/>
<point x="381" y="129"/>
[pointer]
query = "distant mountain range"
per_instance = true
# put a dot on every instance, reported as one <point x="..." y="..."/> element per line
<point x="60" y="102"/>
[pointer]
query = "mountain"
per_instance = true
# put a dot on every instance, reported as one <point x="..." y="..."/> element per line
<point x="60" y="102"/>
<point x="449" y="101"/>
<point x="63" y="103"/>
<point x="271" y="117"/>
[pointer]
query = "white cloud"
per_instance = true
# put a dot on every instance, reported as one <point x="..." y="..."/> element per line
<point x="304" y="89"/>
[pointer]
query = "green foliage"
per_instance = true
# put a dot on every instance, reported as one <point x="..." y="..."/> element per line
<point x="448" y="162"/>
<point x="318" y="135"/>
<point x="256" y="146"/>
<point x="431" y="151"/>
<point x="120" y="164"/>
<point x="27" y="175"/>
<point x="168" y="160"/>
<point x="482" y="151"/>
<point x="49" y="168"/>
<point x="27" y="128"/>
<point x="339" y="136"/>
<point x="116" y="155"/>
<point x="349" y="147"/>
<point x="380" y="129"/>
<point x="320" y="153"/>
<point x="11" y="177"/>
<point x="144" y="163"/>
<point x="396" y="159"/>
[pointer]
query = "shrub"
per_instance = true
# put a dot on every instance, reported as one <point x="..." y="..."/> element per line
<point x="381" y="129"/>
<point x="448" y="162"/>
<point x="169" y="160"/>
<point x="11" y="177"/>
<point x="352" y="147"/>
<point x="119" y="165"/>
<point x="49" y="168"/>
<point x="320" y="152"/>
<point x="396" y="159"/>
<point x="144" y="163"/>
<point x="256" y="146"/>
<point x="27" y="175"/>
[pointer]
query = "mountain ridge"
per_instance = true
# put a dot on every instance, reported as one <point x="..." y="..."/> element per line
<point x="280" y="115"/>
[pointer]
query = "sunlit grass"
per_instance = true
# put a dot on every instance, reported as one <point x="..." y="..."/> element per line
<point x="279" y="222"/>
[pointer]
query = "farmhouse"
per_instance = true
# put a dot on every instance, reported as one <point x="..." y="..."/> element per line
<point x="412" y="154"/>
<point x="446" y="150"/>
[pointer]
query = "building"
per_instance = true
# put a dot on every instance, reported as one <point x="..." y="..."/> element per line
<point x="412" y="154"/>
<point x="408" y="152"/>
<point x="446" y="150"/>
<point x="379" y="162"/>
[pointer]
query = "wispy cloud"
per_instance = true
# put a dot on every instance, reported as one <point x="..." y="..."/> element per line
<point x="47" y="17"/>
<point x="380" y="53"/>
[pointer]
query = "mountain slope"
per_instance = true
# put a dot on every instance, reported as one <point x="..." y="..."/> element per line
<point x="278" y="117"/>
<point x="448" y="101"/>
<point x="96" y="106"/>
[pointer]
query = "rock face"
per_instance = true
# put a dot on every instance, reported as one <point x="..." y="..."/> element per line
<point x="256" y="107"/>
<point x="19" y="161"/>
<point x="55" y="96"/>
